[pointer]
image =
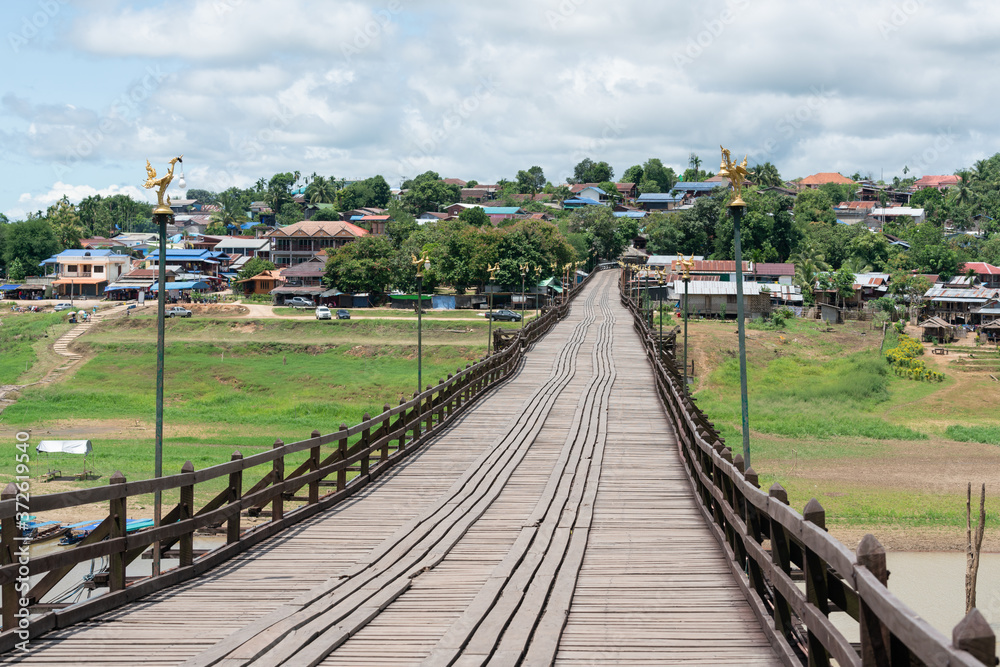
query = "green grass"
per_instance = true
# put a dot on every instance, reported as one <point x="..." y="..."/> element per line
<point x="294" y="387"/>
<point x="850" y="505"/>
<point x="18" y="334"/>
<point x="988" y="435"/>
<point x="799" y="397"/>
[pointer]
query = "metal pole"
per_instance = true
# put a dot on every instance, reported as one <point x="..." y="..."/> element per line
<point x="161" y="306"/>
<point x="737" y="212"/>
<point x="420" y="383"/>
<point x="489" y="336"/>
<point x="686" y="281"/>
<point x="659" y="310"/>
<point x="522" y="298"/>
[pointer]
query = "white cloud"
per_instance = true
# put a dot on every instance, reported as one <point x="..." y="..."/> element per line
<point x="29" y="202"/>
<point x="246" y="88"/>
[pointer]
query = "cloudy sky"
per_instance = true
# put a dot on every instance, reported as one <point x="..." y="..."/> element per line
<point x="246" y="88"/>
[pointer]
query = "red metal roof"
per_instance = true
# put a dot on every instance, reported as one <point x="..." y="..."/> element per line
<point x="982" y="268"/>
<point x="825" y="177"/>
<point x="783" y="269"/>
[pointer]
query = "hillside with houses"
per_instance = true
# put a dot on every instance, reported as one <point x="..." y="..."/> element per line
<point x="824" y="245"/>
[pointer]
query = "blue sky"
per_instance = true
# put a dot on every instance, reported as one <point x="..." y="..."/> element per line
<point x="246" y="88"/>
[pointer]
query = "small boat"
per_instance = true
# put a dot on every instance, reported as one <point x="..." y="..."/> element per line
<point x="35" y="532"/>
<point x="78" y="531"/>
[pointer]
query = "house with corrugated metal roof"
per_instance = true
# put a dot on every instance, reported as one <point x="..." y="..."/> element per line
<point x="296" y="243"/>
<point x="709" y="298"/>
<point x="956" y="306"/>
<point x="988" y="275"/>
<point x="87" y="272"/>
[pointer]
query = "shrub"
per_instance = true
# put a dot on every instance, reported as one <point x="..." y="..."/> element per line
<point x="903" y="358"/>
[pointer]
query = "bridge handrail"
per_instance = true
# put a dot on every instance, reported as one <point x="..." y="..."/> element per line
<point x="369" y="448"/>
<point x="743" y="517"/>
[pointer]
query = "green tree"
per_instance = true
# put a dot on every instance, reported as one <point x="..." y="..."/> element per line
<point x="290" y="214"/>
<point x="31" y="241"/>
<point x="588" y="171"/>
<point x="202" y="196"/>
<point x="675" y="234"/>
<point x="653" y="170"/>
<point x="279" y="191"/>
<point x="607" y="236"/>
<point x="649" y="185"/>
<point x="401" y="225"/>
<point x="633" y="174"/>
<point x="16" y="270"/>
<point x="231" y="212"/>
<point x="321" y="190"/>
<point x="814" y="206"/>
<point x="530" y="181"/>
<point x="66" y="223"/>
<point x="839" y="192"/>
<point x="254" y="267"/>
<point x="328" y="214"/>
<point x="95" y="218"/>
<point x="368" y="264"/>
<point x="809" y="265"/>
<point x="843" y="282"/>
<point x="475" y="216"/>
<point x="611" y="190"/>
<point x="869" y="249"/>
<point x="766" y="175"/>
<point x="430" y="195"/>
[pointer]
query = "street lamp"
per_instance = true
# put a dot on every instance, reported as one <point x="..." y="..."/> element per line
<point x="162" y="214"/>
<point x="686" y="265"/>
<point x="524" y="274"/>
<point x="736" y="173"/>
<point x="493" y="271"/>
<point x="538" y="279"/>
<point x="422" y="263"/>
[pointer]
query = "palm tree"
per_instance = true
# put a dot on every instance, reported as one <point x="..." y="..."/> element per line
<point x="809" y="264"/>
<point x="694" y="161"/>
<point x="230" y="211"/>
<point x="766" y="175"/>
<point x="321" y="190"/>
<point x="857" y="265"/>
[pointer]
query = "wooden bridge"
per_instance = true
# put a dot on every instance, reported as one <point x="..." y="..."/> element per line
<point x="561" y="502"/>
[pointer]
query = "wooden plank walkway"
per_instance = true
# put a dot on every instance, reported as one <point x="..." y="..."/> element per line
<point x="552" y="522"/>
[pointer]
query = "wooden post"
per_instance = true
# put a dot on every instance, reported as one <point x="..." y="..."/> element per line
<point x="235" y="493"/>
<point x="401" y="423"/>
<point x="973" y="547"/>
<point x="429" y="409"/>
<point x="874" y="635"/>
<point x="780" y="555"/>
<point x="8" y="536"/>
<point x="313" y="467"/>
<point x="116" y="561"/>
<point x="186" y="542"/>
<point x="974" y="635"/>
<point x="386" y="422"/>
<point x="366" y="441"/>
<point x="342" y="456"/>
<point x="278" y="470"/>
<point x="442" y="401"/>
<point x="816" y="588"/>
<point x="415" y="415"/>
<point x="449" y="406"/>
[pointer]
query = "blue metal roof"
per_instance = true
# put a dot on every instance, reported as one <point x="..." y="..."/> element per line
<point x="176" y="286"/>
<point x="630" y="214"/>
<point x="693" y="186"/>
<point x="659" y="197"/>
<point x="89" y="253"/>
<point x="501" y="210"/>
<point x="8" y="288"/>
<point x="583" y="200"/>
<point x="177" y="253"/>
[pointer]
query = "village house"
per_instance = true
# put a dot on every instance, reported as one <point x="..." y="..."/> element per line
<point x="813" y="182"/>
<point x="940" y="183"/>
<point x="710" y="298"/>
<point x="87" y="272"/>
<point x="956" y="305"/>
<point x="660" y="201"/>
<point x="262" y="283"/>
<point x="987" y="274"/>
<point x="297" y="243"/>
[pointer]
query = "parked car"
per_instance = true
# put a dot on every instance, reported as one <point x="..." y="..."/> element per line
<point x="505" y="316"/>
<point x="300" y="302"/>
<point x="323" y="313"/>
<point x="177" y="311"/>
<point x="343" y="314"/>
<point x="62" y="306"/>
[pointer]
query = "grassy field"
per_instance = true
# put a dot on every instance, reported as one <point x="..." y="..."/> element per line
<point x="830" y="420"/>
<point x="228" y="385"/>
<point x="21" y="337"/>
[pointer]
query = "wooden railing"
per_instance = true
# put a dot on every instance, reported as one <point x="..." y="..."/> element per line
<point x="367" y="449"/>
<point x="771" y="548"/>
